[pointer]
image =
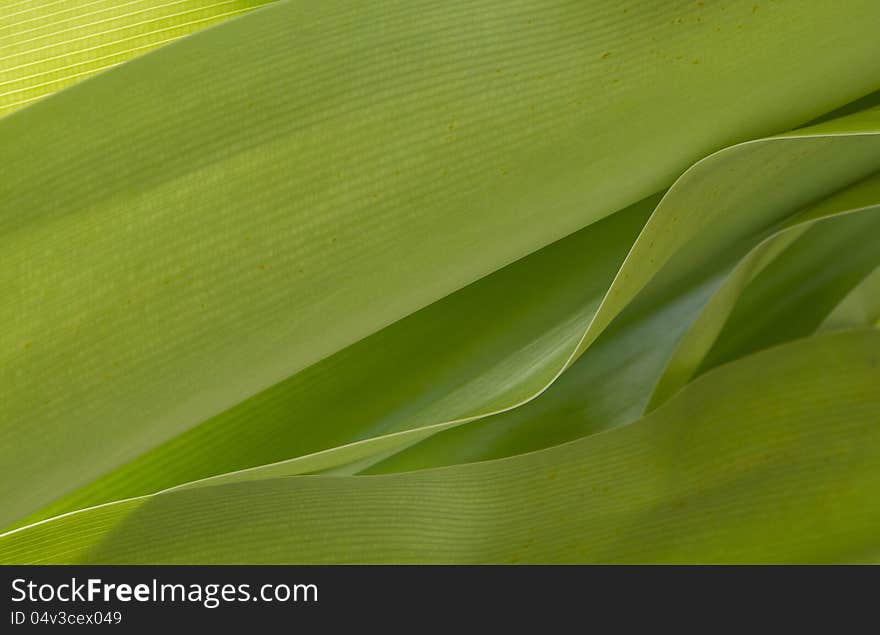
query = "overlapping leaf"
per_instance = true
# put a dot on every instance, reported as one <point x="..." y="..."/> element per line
<point x="787" y="472"/>
<point x="298" y="260"/>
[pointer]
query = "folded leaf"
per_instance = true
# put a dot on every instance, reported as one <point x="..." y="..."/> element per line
<point x="756" y="188"/>
<point x="226" y="211"/>
<point x="861" y="307"/>
<point x="395" y="399"/>
<point x="488" y="346"/>
<point x="773" y="458"/>
<point x="611" y="384"/>
<point x="840" y="261"/>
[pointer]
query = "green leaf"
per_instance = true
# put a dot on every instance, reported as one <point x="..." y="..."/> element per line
<point x="489" y="346"/>
<point x="49" y="45"/>
<point x="756" y="187"/>
<point x="817" y="249"/>
<point x="861" y="307"/>
<point x="611" y="384"/>
<point x="401" y="399"/>
<point x="773" y="458"/>
<point x="320" y="233"/>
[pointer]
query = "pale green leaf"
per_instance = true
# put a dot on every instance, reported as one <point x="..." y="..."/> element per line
<point x="46" y="45"/>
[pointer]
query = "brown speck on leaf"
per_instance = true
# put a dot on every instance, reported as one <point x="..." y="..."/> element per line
<point x="605" y="55"/>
